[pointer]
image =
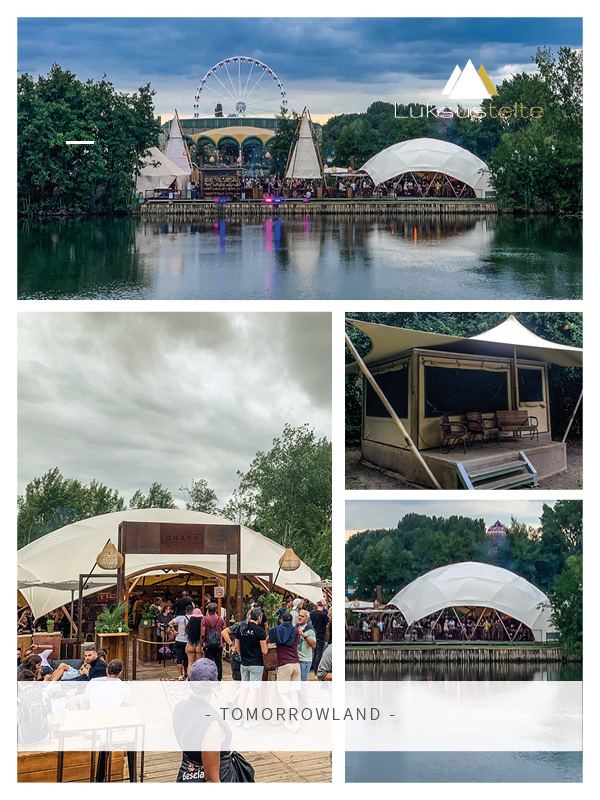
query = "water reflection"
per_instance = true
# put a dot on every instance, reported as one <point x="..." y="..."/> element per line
<point x="458" y="766"/>
<point x="503" y="671"/>
<point x="317" y="257"/>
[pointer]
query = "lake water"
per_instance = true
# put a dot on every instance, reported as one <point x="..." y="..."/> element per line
<point x="509" y="671"/>
<point x="465" y="767"/>
<point x="318" y="257"/>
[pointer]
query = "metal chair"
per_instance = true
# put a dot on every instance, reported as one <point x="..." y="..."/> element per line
<point x="453" y="433"/>
<point x="479" y="426"/>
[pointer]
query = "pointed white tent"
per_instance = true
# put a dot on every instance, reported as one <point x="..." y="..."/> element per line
<point x="68" y="552"/>
<point x="159" y="172"/>
<point x="469" y="85"/>
<point x="177" y="149"/>
<point x="472" y="583"/>
<point x="430" y="155"/>
<point x="304" y="161"/>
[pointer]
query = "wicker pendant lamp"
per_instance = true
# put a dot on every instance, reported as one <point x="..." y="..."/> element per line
<point x="109" y="557"/>
<point x="289" y="561"/>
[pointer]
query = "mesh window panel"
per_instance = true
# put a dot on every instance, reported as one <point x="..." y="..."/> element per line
<point x="456" y="391"/>
<point x="394" y="385"/>
<point x="531" y="385"/>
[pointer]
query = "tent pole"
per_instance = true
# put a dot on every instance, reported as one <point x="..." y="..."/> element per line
<point x="573" y="417"/>
<point x="390" y="410"/>
<point x="516" y="378"/>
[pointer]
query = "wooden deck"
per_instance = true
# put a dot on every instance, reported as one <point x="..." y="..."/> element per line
<point x="548" y="458"/>
<point x="283" y="767"/>
<point x="269" y="767"/>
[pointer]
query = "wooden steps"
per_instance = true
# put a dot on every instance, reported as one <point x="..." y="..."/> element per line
<point x="499" y="472"/>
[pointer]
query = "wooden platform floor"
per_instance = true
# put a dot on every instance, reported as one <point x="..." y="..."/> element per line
<point x="268" y="767"/>
<point x="507" y="447"/>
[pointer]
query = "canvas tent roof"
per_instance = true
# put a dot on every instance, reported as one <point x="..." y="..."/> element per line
<point x="304" y="161"/>
<point x="389" y="342"/>
<point x="159" y="172"/>
<point x="176" y="149"/>
<point x="68" y="552"/>
<point x="429" y="155"/>
<point x="472" y="583"/>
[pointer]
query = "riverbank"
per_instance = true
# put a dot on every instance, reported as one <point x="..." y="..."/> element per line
<point x="198" y="209"/>
<point x="458" y="653"/>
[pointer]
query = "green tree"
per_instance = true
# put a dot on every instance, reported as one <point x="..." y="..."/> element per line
<point x="288" y="491"/>
<point x="52" y="501"/>
<point x="100" y="178"/>
<point x="157" y="497"/>
<point x="282" y="142"/>
<point x="202" y="497"/>
<point x="567" y="607"/>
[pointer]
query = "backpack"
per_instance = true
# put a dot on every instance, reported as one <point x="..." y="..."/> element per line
<point x="34" y="717"/>
<point x="213" y="638"/>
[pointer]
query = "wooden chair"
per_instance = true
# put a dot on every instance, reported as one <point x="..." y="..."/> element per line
<point x="453" y="433"/>
<point x="518" y="422"/>
<point x="483" y="427"/>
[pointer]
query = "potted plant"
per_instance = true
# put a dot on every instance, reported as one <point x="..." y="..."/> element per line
<point x="271" y="603"/>
<point x="50" y="624"/>
<point x="113" y="620"/>
<point x="147" y="615"/>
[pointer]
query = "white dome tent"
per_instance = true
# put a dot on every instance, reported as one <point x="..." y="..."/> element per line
<point x="64" y="554"/>
<point x="430" y="155"/>
<point x="474" y="584"/>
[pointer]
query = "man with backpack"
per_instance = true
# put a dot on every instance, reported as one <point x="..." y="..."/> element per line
<point x="212" y="625"/>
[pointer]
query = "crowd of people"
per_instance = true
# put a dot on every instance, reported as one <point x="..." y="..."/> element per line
<point x="470" y="627"/>
<point x="347" y="187"/>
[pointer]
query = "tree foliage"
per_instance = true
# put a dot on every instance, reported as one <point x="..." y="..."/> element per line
<point x="563" y="327"/>
<point x="52" y="501"/>
<point x="157" y="497"/>
<point x="288" y="495"/>
<point x="392" y="558"/>
<point x="567" y="606"/>
<point x="201" y="497"/>
<point x="55" y="177"/>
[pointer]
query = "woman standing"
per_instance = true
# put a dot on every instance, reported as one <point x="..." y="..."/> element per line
<point x="180" y="623"/>
<point x="193" y="647"/>
<point x="212" y="627"/>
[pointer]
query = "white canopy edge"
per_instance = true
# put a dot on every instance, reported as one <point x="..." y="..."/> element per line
<point x="388" y="342"/>
<point x="64" y="554"/>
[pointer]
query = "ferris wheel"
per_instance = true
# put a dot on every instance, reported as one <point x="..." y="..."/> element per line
<point x="239" y="87"/>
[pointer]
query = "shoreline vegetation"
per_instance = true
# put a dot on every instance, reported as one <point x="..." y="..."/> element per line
<point x="535" y="163"/>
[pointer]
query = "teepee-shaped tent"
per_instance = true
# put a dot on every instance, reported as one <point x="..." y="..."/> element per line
<point x="304" y="160"/>
<point x="177" y="149"/>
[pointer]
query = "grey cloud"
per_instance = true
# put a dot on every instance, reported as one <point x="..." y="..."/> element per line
<point x="134" y="398"/>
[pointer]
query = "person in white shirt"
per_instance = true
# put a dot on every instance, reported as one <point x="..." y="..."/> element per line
<point x="109" y="692"/>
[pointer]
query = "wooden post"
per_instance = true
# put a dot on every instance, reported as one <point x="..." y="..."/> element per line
<point x="240" y="583"/>
<point x="390" y="410"/>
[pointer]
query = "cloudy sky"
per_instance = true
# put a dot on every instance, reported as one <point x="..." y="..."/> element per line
<point x="332" y="65"/>
<point x="132" y="398"/>
<point x="364" y="514"/>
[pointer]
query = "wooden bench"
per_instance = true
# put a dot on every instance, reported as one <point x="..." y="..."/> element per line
<point x="518" y="422"/>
